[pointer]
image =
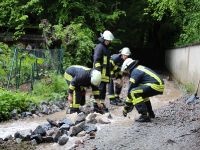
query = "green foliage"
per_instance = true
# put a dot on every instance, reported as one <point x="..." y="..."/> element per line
<point x="77" y="40"/>
<point x="185" y="15"/>
<point x="15" y="14"/>
<point x="53" y="87"/>
<point x="12" y="100"/>
<point x="4" y="61"/>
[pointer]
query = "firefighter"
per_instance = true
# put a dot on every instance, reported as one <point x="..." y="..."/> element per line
<point x="101" y="60"/>
<point x="116" y="62"/>
<point x="143" y="83"/>
<point x="79" y="77"/>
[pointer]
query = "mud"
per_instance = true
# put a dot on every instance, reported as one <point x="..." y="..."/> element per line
<point x="176" y="126"/>
<point x="12" y="145"/>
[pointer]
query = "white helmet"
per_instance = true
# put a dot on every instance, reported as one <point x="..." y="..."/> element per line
<point x="127" y="63"/>
<point x="125" y="51"/>
<point x="107" y="35"/>
<point x="95" y="77"/>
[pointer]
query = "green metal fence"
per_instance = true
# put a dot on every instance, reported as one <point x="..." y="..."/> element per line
<point x="30" y="65"/>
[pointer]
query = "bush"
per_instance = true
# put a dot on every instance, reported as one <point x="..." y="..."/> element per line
<point x="51" y="88"/>
<point x="12" y="100"/>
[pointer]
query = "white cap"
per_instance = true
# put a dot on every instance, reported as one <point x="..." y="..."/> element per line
<point x="95" y="77"/>
<point x="125" y="51"/>
<point x="107" y="35"/>
<point x="126" y="64"/>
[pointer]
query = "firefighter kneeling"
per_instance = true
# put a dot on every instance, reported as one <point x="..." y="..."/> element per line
<point x="143" y="83"/>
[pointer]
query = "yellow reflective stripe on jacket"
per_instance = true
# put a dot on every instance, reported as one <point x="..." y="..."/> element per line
<point x="68" y="77"/>
<point x="112" y="62"/>
<point x="97" y="65"/>
<point x="95" y="92"/>
<point x="71" y="87"/>
<point x="150" y="73"/>
<point x="138" y="99"/>
<point x="115" y="68"/>
<point x="132" y="80"/>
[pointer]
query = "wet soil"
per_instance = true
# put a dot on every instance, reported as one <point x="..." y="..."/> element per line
<point x="176" y="126"/>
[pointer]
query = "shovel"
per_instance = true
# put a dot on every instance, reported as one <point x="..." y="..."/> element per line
<point x="193" y="97"/>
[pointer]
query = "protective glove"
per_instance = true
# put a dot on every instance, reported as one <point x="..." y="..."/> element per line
<point x="124" y="112"/>
<point x="127" y="108"/>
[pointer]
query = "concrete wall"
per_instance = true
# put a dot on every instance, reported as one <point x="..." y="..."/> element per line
<point x="184" y="64"/>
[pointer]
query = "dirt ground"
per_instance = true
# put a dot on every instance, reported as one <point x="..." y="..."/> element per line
<point x="176" y="126"/>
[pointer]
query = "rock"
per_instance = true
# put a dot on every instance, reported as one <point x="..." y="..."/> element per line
<point x="63" y="139"/>
<point x="40" y="130"/>
<point x="102" y="119"/>
<point x="64" y="127"/>
<point x="86" y="109"/>
<point x="57" y="135"/>
<point x="80" y="117"/>
<point x="46" y="126"/>
<point x="9" y="137"/>
<point x="50" y="132"/>
<point x="37" y="137"/>
<point x="35" y="116"/>
<point x="1" y="141"/>
<point x="81" y="134"/>
<point x="33" y="142"/>
<point x="26" y="114"/>
<point x="55" y="108"/>
<point x="90" y="128"/>
<point x="76" y="129"/>
<point x="25" y="135"/>
<point x="47" y="139"/>
<point x="14" y="114"/>
<point x="52" y="122"/>
<point x="91" y="118"/>
<point x="18" y="140"/>
<point x="66" y="121"/>
<point x="44" y="109"/>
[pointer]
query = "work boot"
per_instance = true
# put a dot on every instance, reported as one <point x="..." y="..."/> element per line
<point x="151" y="114"/>
<point x="116" y="102"/>
<point x="105" y="109"/>
<point x="143" y="118"/>
<point x="74" y="110"/>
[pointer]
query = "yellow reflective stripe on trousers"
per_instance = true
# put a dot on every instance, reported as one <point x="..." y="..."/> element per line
<point x="68" y="77"/>
<point x="156" y="87"/>
<point x="104" y="78"/>
<point x="74" y="105"/>
<point x="138" y="99"/>
<point x="128" y="100"/>
<point x="95" y="92"/>
<point x="146" y="99"/>
<point x="111" y="96"/>
<point x="150" y="73"/>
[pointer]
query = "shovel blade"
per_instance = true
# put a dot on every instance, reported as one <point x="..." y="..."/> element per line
<point x="191" y="99"/>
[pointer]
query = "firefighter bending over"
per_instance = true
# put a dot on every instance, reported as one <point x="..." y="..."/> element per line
<point x="79" y="77"/>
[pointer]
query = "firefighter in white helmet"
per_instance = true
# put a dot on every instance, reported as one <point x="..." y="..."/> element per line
<point x="143" y="84"/>
<point x="101" y="60"/>
<point x="79" y="77"/>
<point x="115" y="88"/>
